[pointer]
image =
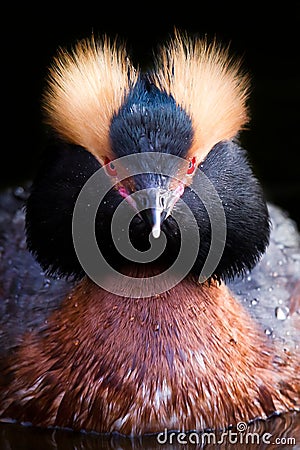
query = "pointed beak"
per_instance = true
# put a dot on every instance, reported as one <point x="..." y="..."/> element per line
<point x="154" y="217"/>
<point x="157" y="221"/>
<point x="159" y="203"/>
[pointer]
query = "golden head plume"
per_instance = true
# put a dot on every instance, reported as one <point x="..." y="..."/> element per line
<point x="88" y="85"/>
<point x="208" y="84"/>
<point x="85" y="88"/>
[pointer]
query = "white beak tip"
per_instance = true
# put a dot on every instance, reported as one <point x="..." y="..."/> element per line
<point x="156" y="232"/>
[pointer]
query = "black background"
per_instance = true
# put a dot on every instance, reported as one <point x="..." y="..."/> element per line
<point x="265" y="35"/>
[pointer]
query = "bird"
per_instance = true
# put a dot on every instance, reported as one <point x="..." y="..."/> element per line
<point x="138" y="344"/>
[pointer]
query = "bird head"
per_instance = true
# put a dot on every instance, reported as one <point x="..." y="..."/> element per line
<point x="166" y="141"/>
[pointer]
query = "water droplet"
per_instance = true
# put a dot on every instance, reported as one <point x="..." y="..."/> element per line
<point x="156" y="328"/>
<point x="270" y="289"/>
<point x="47" y="283"/>
<point x="75" y="305"/>
<point x="19" y="190"/>
<point x="20" y="193"/>
<point x="76" y="342"/>
<point x="268" y="331"/>
<point x="254" y="301"/>
<point x="282" y="312"/>
<point x="249" y="278"/>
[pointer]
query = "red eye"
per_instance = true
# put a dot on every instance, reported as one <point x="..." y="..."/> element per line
<point x="192" y="165"/>
<point x="110" y="167"/>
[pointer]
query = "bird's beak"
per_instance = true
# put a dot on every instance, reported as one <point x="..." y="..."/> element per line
<point x="157" y="221"/>
<point x="158" y="204"/>
<point x="154" y="214"/>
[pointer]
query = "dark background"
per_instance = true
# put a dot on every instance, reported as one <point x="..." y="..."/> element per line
<point x="266" y="36"/>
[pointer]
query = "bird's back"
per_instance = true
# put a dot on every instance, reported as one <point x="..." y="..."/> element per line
<point x="27" y="295"/>
<point x="271" y="292"/>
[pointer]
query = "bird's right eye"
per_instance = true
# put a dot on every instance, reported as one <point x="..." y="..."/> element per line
<point x="192" y="165"/>
<point x="110" y="167"/>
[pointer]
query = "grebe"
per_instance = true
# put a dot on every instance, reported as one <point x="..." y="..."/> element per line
<point x="204" y="346"/>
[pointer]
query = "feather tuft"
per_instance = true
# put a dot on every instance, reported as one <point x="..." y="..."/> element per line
<point x="209" y="84"/>
<point x="85" y="88"/>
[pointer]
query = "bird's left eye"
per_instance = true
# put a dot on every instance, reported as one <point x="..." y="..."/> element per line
<point x="110" y="168"/>
<point x="192" y="165"/>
